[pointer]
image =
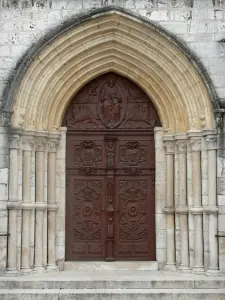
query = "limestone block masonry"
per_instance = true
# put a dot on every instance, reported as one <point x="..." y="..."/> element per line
<point x="175" y="51"/>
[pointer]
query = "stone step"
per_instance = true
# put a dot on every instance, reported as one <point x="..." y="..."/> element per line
<point x="158" y="283"/>
<point x="113" y="294"/>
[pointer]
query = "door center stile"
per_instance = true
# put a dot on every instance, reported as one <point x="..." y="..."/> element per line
<point x="110" y="144"/>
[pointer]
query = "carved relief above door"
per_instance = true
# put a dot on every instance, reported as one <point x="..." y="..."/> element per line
<point x="110" y="172"/>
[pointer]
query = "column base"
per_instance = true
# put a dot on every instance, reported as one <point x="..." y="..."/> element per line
<point x="184" y="269"/>
<point x="26" y="271"/>
<point x="52" y="268"/>
<point x="39" y="269"/>
<point x="169" y="267"/>
<point x="198" y="270"/>
<point x="12" y="272"/>
<point x="212" y="272"/>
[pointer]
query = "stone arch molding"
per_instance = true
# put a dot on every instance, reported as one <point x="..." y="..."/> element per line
<point x="119" y="42"/>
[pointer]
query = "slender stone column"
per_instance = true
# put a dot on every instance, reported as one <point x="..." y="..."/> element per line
<point x="212" y="209"/>
<point x="40" y="205"/>
<point x="28" y="144"/>
<point x="169" y="209"/>
<point x="52" y="146"/>
<point x="13" y="204"/>
<point x="197" y="210"/>
<point x="182" y="209"/>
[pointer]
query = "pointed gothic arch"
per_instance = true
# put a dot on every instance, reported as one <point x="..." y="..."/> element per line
<point x="105" y="41"/>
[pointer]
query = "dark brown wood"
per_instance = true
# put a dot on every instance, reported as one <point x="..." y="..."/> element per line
<point x="110" y="172"/>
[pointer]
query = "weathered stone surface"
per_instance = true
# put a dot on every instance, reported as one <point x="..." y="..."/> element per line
<point x="119" y="294"/>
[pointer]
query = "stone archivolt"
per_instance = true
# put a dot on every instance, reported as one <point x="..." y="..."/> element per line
<point x="114" y="42"/>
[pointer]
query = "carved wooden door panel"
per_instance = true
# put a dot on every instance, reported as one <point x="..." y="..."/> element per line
<point x="110" y="172"/>
<point x="85" y="220"/>
<point x="134" y="198"/>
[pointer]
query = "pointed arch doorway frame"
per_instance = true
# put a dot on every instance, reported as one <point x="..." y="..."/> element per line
<point x="105" y="41"/>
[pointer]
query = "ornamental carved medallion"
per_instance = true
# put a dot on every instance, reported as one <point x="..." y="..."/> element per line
<point x="111" y="102"/>
<point x="87" y="154"/>
<point x="132" y="154"/>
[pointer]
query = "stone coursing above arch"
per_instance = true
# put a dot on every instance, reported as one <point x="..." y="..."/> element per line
<point x="104" y="40"/>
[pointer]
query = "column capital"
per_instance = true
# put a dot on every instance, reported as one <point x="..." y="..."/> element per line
<point x="14" y="141"/>
<point x="53" y="141"/>
<point x="195" y="140"/>
<point x="181" y="146"/>
<point x="211" y="141"/>
<point x="181" y="142"/>
<point x="52" y="145"/>
<point x="40" y="141"/>
<point x="28" y="141"/>
<point x="195" y="144"/>
<point x="169" y="144"/>
<point x="40" y="144"/>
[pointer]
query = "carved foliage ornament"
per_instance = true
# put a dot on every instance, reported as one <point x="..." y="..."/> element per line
<point x="181" y="146"/>
<point x="211" y="142"/>
<point x="28" y="143"/>
<point x="52" y="145"/>
<point x="40" y="143"/>
<point x="170" y="146"/>
<point x="195" y="144"/>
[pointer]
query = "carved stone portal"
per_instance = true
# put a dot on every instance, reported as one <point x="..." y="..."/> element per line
<point x="110" y="172"/>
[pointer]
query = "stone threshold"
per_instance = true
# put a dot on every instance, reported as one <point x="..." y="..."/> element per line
<point x="109" y="266"/>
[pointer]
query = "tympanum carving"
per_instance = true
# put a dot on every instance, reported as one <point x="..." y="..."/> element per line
<point x="111" y="101"/>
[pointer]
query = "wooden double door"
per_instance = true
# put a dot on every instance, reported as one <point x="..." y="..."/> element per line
<point x="110" y="172"/>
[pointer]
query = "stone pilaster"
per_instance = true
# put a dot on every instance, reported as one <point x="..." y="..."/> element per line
<point x="40" y="204"/>
<point x="204" y="174"/>
<point x="182" y="208"/>
<point x="27" y="146"/>
<point x="197" y="210"/>
<point x="52" y="206"/>
<point x="190" y="204"/>
<point x="13" y="204"/>
<point x="169" y="209"/>
<point x="61" y="198"/>
<point x="212" y="209"/>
